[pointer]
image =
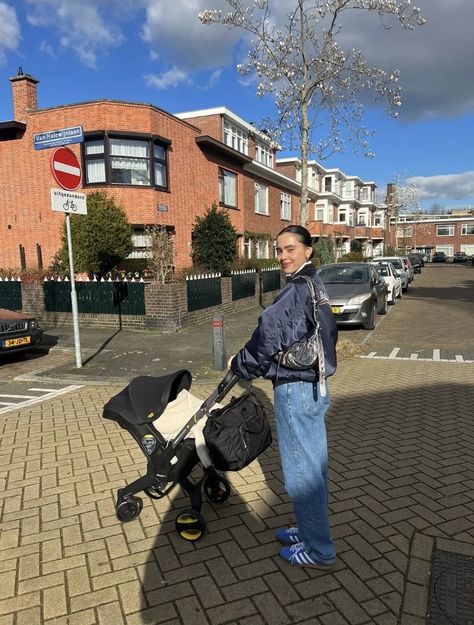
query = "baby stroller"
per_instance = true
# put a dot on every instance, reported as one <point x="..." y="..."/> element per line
<point x="150" y="405"/>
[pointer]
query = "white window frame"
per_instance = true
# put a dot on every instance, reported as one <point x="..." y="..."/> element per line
<point x="263" y="154"/>
<point x="227" y="187"/>
<point x="450" y="228"/>
<point x="261" y="198"/>
<point x="465" y="228"/>
<point x="285" y="206"/>
<point x="320" y="212"/>
<point x="261" y="248"/>
<point x="236" y="137"/>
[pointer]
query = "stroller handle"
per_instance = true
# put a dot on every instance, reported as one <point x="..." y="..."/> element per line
<point x="224" y="386"/>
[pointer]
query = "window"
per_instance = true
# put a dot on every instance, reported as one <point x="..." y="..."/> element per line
<point x="261" y="199"/>
<point x="328" y="183"/>
<point x="361" y="219"/>
<point x="285" y="206"/>
<point x="405" y="231"/>
<point x="263" y="154"/>
<point x="247" y="248"/>
<point x="125" y="161"/>
<point x="445" y="231"/>
<point x="261" y="248"/>
<point x="235" y="137"/>
<point x="227" y="187"/>
<point x="365" y="194"/>
<point x="342" y="215"/>
<point x="141" y="243"/>
<point x="319" y="212"/>
<point x="467" y="228"/>
<point x="377" y="220"/>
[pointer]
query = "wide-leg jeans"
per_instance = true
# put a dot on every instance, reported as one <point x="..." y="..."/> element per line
<point x="301" y="430"/>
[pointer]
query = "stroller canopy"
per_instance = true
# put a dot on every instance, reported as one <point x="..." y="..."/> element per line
<point x="146" y="397"/>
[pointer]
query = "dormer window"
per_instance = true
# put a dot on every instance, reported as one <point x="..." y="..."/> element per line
<point x="263" y="154"/>
<point x="235" y="137"/>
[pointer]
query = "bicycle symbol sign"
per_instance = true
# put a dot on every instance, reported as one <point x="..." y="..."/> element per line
<point x="68" y="202"/>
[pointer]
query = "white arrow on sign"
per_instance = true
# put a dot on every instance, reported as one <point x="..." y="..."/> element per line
<point x="68" y="202"/>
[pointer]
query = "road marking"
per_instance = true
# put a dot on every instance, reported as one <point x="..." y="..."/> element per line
<point x="414" y="357"/>
<point x="43" y="390"/>
<point x="371" y="355"/>
<point x="436" y="355"/>
<point x="51" y="394"/>
<point x="394" y="353"/>
<point x="459" y="358"/>
<point x="16" y="396"/>
<point x="7" y="403"/>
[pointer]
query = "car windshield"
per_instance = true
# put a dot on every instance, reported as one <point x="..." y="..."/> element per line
<point x="344" y="275"/>
<point x="383" y="270"/>
<point x="396" y="262"/>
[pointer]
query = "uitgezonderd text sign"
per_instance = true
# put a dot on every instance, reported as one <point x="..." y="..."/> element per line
<point x="55" y="138"/>
<point x="69" y="202"/>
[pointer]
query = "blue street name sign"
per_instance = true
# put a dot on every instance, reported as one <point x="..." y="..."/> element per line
<point x="54" y="138"/>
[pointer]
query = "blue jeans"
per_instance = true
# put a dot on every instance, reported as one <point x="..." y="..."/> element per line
<point x="299" y="415"/>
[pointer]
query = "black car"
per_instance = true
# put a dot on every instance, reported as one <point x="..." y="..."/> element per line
<point x="18" y="331"/>
<point x="438" y="257"/>
<point x="416" y="262"/>
<point x="356" y="293"/>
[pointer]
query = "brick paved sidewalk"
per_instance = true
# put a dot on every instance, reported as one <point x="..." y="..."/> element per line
<point x="401" y="468"/>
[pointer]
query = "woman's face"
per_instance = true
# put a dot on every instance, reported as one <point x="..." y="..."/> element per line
<point x="291" y="252"/>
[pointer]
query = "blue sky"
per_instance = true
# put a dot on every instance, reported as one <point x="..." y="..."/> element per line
<point x="157" y="51"/>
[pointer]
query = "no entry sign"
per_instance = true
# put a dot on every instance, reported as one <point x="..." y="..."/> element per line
<point x="66" y="168"/>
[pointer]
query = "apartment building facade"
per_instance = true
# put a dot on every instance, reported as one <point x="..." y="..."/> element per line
<point x="167" y="169"/>
<point x="345" y="208"/>
<point x="427" y="233"/>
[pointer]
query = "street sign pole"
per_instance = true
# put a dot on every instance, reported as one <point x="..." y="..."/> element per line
<point x="75" y="315"/>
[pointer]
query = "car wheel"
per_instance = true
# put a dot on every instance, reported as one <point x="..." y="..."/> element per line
<point x="405" y="288"/>
<point x="400" y="293"/>
<point x="393" y="299"/>
<point x="370" y="323"/>
<point x="384" y="309"/>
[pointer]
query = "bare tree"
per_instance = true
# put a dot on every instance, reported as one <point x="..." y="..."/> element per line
<point x="315" y="82"/>
<point x="160" y="252"/>
<point x="402" y="196"/>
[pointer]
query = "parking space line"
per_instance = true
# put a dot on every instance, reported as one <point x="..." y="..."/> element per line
<point x="394" y="353"/>
<point x="52" y="394"/>
<point x="7" y="403"/>
<point x="43" y="390"/>
<point x="371" y="355"/>
<point x="16" y="396"/>
<point x="436" y="355"/>
<point x="414" y="357"/>
<point x="459" y="358"/>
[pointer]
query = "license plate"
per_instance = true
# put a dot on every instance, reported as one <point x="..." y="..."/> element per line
<point x="336" y="310"/>
<point x="22" y="340"/>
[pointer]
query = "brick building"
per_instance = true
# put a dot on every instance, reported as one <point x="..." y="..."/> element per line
<point x="451" y="233"/>
<point x="167" y="169"/>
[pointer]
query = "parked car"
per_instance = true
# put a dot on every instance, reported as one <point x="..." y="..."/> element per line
<point x="399" y="265"/>
<point x="356" y="293"/>
<point x="18" y="331"/>
<point x="438" y="257"/>
<point x="388" y="272"/>
<point x="461" y="257"/>
<point x="416" y="262"/>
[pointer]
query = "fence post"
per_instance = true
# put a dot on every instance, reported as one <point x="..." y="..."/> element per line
<point x="218" y="342"/>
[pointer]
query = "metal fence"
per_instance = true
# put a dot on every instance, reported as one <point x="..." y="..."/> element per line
<point x="117" y="297"/>
<point x="203" y="291"/>
<point x="270" y="280"/>
<point x="243" y="284"/>
<point x="10" y="294"/>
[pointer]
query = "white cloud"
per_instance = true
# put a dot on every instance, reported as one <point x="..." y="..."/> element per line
<point x="81" y="25"/>
<point x="170" y="78"/>
<point x="9" y="30"/>
<point x="446" y="186"/>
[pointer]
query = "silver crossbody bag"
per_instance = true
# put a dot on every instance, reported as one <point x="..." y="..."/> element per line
<point x="307" y="353"/>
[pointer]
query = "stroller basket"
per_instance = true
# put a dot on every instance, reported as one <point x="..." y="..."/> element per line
<point x="137" y="409"/>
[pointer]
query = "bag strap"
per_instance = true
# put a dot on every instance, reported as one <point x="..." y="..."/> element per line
<point x="320" y="347"/>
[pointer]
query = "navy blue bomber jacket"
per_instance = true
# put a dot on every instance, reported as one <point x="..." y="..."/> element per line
<point x="287" y="320"/>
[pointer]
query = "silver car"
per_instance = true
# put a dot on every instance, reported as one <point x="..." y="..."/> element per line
<point x="397" y="262"/>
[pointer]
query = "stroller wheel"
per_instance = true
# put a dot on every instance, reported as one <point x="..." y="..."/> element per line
<point x="129" y="509"/>
<point x="216" y="488"/>
<point x="190" y="525"/>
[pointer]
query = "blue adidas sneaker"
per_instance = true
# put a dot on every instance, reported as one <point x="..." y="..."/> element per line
<point x="296" y="555"/>
<point x="288" y="536"/>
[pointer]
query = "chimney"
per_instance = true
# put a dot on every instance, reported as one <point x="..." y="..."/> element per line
<point x="391" y="192"/>
<point x="24" y="95"/>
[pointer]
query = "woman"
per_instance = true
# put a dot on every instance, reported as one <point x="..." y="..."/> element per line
<point x="300" y="406"/>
